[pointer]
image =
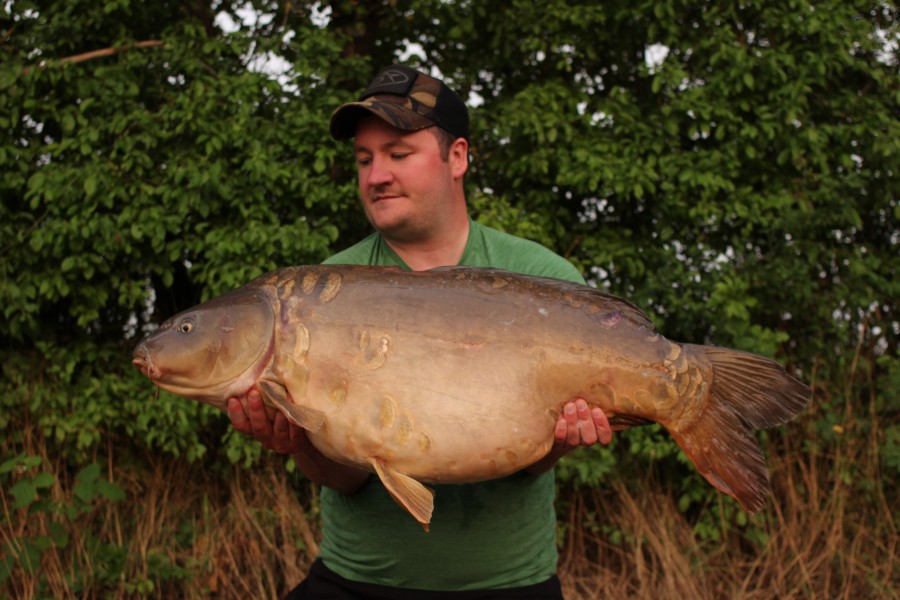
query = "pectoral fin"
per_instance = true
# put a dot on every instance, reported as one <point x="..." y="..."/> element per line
<point x="276" y="395"/>
<point x="417" y="499"/>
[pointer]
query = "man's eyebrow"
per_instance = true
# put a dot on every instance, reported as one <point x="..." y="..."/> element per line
<point x="391" y="144"/>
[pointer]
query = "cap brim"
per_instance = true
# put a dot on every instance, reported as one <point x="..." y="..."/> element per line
<point x="345" y="119"/>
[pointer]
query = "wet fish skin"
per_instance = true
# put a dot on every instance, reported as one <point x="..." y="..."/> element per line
<point x="415" y="375"/>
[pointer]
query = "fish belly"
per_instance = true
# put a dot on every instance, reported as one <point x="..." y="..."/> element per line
<point x="464" y="417"/>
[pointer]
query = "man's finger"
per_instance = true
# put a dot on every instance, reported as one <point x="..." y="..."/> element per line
<point x="573" y="436"/>
<point x="559" y="434"/>
<point x="237" y="416"/>
<point x="602" y="426"/>
<point x="259" y="418"/>
<point x="588" y="431"/>
<point x="581" y="407"/>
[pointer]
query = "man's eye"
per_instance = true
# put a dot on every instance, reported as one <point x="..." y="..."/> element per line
<point x="399" y="155"/>
<point x="363" y="162"/>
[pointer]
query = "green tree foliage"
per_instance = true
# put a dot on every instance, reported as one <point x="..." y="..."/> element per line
<point x="141" y="182"/>
<point x="731" y="167"/>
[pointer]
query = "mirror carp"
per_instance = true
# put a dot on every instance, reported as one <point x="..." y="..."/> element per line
<point x="458" y="374"/>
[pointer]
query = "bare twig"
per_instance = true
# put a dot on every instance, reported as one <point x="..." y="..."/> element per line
<point x="77" y="58"/>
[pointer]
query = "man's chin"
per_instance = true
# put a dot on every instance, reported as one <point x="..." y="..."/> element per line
<point x="401" y="231"/>
<point x="387" y="220"/>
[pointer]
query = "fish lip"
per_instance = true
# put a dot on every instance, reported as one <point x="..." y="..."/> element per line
<point x="142" y="361"/>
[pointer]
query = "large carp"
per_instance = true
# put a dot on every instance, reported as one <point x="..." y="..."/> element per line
<point x="458" y="374"/>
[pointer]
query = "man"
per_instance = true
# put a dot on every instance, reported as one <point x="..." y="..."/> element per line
<point x="488" y="540"/>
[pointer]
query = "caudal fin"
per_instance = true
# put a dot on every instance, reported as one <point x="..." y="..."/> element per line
<point x="747" y="392"/>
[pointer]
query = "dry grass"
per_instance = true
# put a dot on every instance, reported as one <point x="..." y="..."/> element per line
<point x="821" y="539"/>
<point x="180" y="533"/>
<point x="183" y="532"/>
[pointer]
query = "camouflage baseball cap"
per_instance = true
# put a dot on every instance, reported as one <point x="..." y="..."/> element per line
<point x="408" y="100"/>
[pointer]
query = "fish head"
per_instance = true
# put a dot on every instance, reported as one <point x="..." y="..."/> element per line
<point x="213" y="351"/>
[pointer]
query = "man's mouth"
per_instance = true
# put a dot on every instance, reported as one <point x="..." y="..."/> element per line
<point x="379" y="193"/>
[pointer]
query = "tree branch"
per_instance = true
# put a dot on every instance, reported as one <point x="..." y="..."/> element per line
<point x="77" y="58"/>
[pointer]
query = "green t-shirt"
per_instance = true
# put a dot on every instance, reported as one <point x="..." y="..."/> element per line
<point x="496" y="534"/>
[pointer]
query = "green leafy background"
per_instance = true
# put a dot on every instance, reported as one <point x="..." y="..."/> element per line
<point x="732" y="168"/>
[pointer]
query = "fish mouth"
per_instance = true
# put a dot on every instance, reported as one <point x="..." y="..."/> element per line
<point x="142" y="361"/>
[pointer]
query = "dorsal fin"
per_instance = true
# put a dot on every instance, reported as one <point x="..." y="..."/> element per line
<point x="587" y="294"/>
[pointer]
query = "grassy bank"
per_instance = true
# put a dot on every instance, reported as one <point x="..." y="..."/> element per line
<point x="158" y="527"/>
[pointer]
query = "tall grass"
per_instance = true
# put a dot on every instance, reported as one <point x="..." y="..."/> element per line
<point x="182" y="531"/>
<point x="819" y="539"/>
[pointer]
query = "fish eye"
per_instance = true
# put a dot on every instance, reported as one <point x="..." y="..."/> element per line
<point x="186" y="326"/>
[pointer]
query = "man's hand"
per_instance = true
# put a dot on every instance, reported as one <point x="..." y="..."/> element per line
<point x="578" y="425"/>
<point x="268" y="426"/>
<point x="272" y="429"/>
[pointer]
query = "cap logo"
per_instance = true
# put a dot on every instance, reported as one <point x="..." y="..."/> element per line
<point x="391" y="81"/>
<point x="390" y="77"/>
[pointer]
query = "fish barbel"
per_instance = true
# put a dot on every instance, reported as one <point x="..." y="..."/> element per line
<point x="458" y="374"/>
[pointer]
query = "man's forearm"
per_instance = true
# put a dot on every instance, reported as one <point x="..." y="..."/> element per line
<point x="549" y="461"/>
<point x="320" y="469"/>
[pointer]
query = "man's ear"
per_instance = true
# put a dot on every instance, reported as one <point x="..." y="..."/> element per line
<point x="458" y="157"/>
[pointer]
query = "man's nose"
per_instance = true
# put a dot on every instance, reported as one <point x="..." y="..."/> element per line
<point x="379" y="173"/>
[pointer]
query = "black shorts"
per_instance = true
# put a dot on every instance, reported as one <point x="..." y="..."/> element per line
<point x="324" y="584"/>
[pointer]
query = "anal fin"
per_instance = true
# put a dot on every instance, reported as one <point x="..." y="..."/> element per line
<point x="417" y="499"/>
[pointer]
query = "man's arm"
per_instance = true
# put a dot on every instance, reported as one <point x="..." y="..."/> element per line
<point x="251" y="417"/>
<point x="579" y="425"/>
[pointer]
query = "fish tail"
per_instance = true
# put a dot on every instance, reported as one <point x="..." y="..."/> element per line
<point x="747" y="392"/>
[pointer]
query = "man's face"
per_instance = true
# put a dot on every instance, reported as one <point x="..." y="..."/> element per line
<point x="405" y="185"/>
